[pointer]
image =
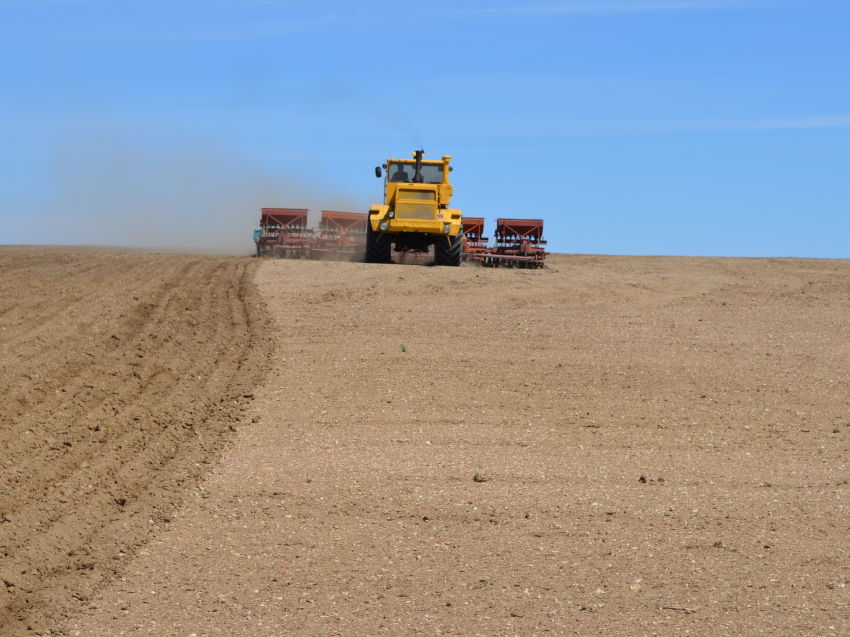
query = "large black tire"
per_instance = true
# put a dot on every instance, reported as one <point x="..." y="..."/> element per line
<point x="448" y="254"/>
<point x="378" y="247"/>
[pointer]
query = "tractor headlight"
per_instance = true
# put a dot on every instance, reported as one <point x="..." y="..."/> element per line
<point x="447" y="228"/>
<point x="392" y="214"/>
<point x="383" y="225"/>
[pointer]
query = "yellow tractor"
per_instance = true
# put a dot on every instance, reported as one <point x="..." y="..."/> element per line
<point x="415" y="213"/>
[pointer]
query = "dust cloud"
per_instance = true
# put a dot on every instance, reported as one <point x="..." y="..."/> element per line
<point x="193" y="198"/>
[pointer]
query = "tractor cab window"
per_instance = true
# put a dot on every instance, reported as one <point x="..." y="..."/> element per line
<point x="401" y="172"/>
<point x="431" y="173"/>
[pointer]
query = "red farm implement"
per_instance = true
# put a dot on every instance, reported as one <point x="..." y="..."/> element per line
<point x="283" y="232"/>
<point x="519" y="243"/>
<point x="474" y="241"/>
<point x="341" y="234"/>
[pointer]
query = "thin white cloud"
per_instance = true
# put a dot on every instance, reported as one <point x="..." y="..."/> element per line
<point x="578" y="8"/>
<point x="552" y="128"/>
<point x="265" y="19"/>
<point x="547" y="8"/>
<point x="494" y="128"/>
<point x="798" y="124"/>
<point x="594" y="131"/>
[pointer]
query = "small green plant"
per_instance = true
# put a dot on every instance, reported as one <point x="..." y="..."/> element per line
<point x="403" y="347"/>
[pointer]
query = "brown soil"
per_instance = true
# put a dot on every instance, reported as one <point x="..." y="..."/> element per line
<point x="625" y="446"/>
<point x="120" y="375"/>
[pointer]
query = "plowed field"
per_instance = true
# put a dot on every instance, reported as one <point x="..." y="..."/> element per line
<point x="120" y="375"/>
<point x="613" y="445"/>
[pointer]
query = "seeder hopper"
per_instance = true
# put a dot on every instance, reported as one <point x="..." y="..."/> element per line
<point x="284" y="234"/>
<point x="341" y="234"/>
<point x="519" y="243"/>
<point x="473" y="240"/>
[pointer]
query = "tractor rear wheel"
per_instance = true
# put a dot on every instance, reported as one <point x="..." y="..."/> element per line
<point x="446" y="253"/>
<point x="378" y="247"/>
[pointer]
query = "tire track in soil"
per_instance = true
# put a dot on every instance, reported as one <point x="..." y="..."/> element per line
<point x="123" y="377"/>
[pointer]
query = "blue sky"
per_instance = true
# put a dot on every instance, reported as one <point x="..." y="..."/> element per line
<point x="687" y="127"/>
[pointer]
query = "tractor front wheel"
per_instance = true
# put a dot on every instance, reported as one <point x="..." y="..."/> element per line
<point x="446" y="253"/>
<point x="378" y="246"/>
